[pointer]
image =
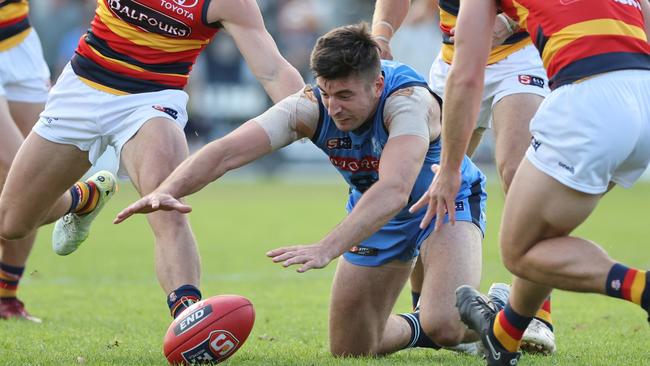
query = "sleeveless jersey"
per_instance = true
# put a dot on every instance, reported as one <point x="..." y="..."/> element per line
<point x="139" y="46"/>
<point x="582" y="38"/>
<point x="448" y="16"/>
<point x="14" y="23"/>
<point x="356" y="154"/>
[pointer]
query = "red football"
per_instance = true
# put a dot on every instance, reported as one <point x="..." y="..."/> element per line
<point x="209" y="331"/>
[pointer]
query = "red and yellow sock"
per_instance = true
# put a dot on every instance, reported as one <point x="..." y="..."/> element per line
<point x="9" y="278"/>
<point x="84" y="198"/>
<point x="544" y="314"/>
<point x="508" y="328"/>
<point x="629" y="284"/>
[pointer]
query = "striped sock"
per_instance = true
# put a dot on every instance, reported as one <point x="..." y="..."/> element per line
<point x="508" y="328"/>
<point x="415" y="297"/>
<point x="418" y="337"/>
<point x="84" y="198"/>
<point x="544" y="314"/>
<point x="9" y="278"/>
<point x="629" y="284"/>
<point x="182" y="298"/>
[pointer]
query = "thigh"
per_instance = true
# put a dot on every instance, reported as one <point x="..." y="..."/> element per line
<point x="157" y="148"/>
<point x="511" y="116"/>
<point x="362" y="299"/>
<point x="451" y="257"/>
<point x="539" y="207"/>
<point x="10" y="139"/>
<point x="41" y="172"/>
<point x="25" y="114"/>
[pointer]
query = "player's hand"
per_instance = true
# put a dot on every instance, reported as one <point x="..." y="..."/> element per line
<point x="154" y="201"/>
<point x="440" y="198"/>
<point x="310" y="256"/>
<point x="500" y="32"/>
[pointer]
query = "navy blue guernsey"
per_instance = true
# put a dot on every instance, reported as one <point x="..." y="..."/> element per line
<point x="356" y="154"/>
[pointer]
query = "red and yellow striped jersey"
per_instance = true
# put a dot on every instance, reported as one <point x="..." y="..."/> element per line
<point x="139" y="46"/>
<point x="448" y="15"/>
<point x="14" y="23"/>
<point x="582" y="38"/>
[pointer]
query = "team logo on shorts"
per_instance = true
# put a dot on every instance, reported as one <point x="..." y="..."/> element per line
<point x="531" y="80"/>
<point x="535" y="143"/>
<point x="172" y="112"/>
<point x="364" y="251"/>
<point x="460" y="206"/>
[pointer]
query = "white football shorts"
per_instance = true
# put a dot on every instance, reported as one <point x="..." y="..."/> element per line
<point x="520" y="72"/>
<point x="590" y="133"/>
<point x="24" y="76"/>
<point x="91" y="119"/>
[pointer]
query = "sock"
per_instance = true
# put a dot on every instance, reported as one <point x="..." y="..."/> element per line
<point x="181" y="298"/>
<point x="629" y="284"/>
<point x="415" y="297"/>
<point x="544" y="314"/>
<point x="84" y="198"/>
<point x="418" y="337"/>
<point x="508" y="328"/>
<point x="9" y="278"/>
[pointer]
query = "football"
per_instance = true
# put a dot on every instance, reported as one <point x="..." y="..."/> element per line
<point x="209" y="331"/>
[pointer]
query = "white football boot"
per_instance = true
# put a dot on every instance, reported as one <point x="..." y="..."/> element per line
<point x="71" y="230"/>
<point x="538" y="339"/>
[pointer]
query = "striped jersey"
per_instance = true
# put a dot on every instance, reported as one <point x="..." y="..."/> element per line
<point x="581" y="38"/>
<point x="139" y="46"/>
<point x="448" y="16"/>
<point x="14" y="23"/>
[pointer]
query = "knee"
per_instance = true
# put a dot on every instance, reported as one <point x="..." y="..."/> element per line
<point x="11" y="229"/>
<point x="446" y="332"/>
<point x="507" y="170"/>
<point x="512" y="260"/>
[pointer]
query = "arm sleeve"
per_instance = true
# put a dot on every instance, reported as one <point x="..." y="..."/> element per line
<point x="409" y="111"/>
<point x="290" y="119"/>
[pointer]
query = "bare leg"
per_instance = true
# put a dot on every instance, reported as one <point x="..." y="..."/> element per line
<point x="512" y="115"/>
<point x="362" y="299"/>
<point x="540" y="214"/>
<point x="24" y="203"/>
<point x="149" y="157"/>
<point x="21" y="119"/>
<point x="451" y="258"/>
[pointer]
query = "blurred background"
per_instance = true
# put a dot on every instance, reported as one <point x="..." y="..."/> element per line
<point x="223" y="91"/>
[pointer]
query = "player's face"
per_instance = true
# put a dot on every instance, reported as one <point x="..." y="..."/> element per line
<point x="351" y="101"/>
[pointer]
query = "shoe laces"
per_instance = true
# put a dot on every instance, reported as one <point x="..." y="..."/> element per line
<point x="486" y="307"/>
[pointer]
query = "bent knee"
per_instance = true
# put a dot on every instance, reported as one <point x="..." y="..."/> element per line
<point x="445" y="333"/>
<point x="507" y="172"/>
<point x="13" y="230"/>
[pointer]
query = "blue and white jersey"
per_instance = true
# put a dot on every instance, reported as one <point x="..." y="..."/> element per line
<point x="356" y="154"/>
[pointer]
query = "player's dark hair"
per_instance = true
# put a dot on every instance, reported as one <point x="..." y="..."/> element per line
<point x="345" y="51"/>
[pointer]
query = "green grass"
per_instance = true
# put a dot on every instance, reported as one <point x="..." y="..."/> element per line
<point x="103" y="306"/>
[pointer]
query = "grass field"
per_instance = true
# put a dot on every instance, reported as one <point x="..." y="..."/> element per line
<point x="103" y="306"/>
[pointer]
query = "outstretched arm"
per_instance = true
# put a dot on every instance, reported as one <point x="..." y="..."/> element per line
<point x="243" y="20"/>
<point x="291" y="119"/>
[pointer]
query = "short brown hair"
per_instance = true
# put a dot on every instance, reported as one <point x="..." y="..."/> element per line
<point x="345" y="51"/>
